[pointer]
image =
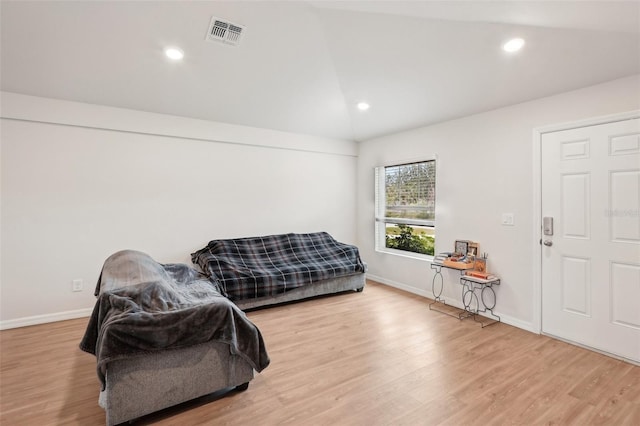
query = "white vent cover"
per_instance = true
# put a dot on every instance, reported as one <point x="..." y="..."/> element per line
<point x="224" y="31"/>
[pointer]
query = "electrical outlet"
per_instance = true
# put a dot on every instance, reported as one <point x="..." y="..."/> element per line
<point x="77" y="285"/>
<point x="507" y="219"/>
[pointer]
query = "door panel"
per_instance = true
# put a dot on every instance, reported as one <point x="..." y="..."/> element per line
<point x="625" y="144"/>
<point x="625" y="200"/>
<point x="576" y="285"/>
<point x="591" y="265"/>
<point x="625" y="293"/>
<point x="575" y="205"/>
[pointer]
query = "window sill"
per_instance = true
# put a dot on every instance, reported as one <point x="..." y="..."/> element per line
<point x="409" y="254"/>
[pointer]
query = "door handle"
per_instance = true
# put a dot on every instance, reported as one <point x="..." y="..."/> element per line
<point x="548" y="243"/>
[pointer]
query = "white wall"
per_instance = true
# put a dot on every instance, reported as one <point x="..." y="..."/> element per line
<point x="484" y="169"/>
<point x="80" y="182"/>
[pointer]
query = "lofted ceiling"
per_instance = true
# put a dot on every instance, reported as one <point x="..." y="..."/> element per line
<point x="302" y="66"/>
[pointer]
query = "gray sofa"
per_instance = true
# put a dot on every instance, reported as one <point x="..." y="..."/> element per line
<point x="355" y="282"/>
<point x="163" y="334"/>
<point x="139" y="386"/>
<point x="266" y="270"/>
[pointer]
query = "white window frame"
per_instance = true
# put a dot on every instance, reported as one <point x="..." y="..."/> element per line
<point x="380" y="207"/>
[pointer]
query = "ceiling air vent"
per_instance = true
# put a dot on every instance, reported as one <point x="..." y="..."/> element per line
<point x="224" y="31"/>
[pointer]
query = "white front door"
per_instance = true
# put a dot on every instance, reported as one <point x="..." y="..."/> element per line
<point x="591" y="263"/>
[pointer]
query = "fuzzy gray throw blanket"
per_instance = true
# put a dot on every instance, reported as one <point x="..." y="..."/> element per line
<point x="144" y="306"/>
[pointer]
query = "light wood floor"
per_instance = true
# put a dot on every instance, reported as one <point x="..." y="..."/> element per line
<point x="380" y="357"/>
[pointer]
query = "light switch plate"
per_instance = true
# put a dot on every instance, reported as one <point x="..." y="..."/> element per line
<point x="508" y="219"/>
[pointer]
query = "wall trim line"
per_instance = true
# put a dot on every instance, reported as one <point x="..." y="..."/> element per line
<point x="169" y="136"/>
<point x="44" y="319"/>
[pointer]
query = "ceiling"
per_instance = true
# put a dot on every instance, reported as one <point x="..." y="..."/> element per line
<point x="302" y="66"/>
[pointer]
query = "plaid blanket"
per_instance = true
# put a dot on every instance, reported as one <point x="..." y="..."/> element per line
<point x="265" y="266"/>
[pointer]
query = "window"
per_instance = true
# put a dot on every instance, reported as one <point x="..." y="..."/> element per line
<point x="405" y="207"/>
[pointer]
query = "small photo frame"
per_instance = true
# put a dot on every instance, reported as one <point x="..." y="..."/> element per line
<point x="461" y="247"/>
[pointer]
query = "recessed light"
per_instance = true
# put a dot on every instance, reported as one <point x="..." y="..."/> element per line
<point x="363" y="106"/>
<point x="174" y="53"/>
<point x="513" y="45"/>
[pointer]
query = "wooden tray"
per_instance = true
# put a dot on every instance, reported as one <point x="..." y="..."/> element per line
<point x="457" y="265"/>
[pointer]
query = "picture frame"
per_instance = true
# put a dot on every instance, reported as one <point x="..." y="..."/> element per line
<point x="465" y="247"/>
<point x="461" y="247"/>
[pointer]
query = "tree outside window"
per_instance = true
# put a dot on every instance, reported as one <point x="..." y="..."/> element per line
<point x="405" y="207"/>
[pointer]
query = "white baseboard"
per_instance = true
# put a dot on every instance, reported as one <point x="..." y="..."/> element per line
<point x="527" y="326"/>
<point x="43" y="319"/>
<point x="400" y="286"/>
<point x="456" y="303"/>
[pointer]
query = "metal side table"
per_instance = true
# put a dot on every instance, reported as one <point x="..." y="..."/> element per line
<point x="478" y="296"/>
